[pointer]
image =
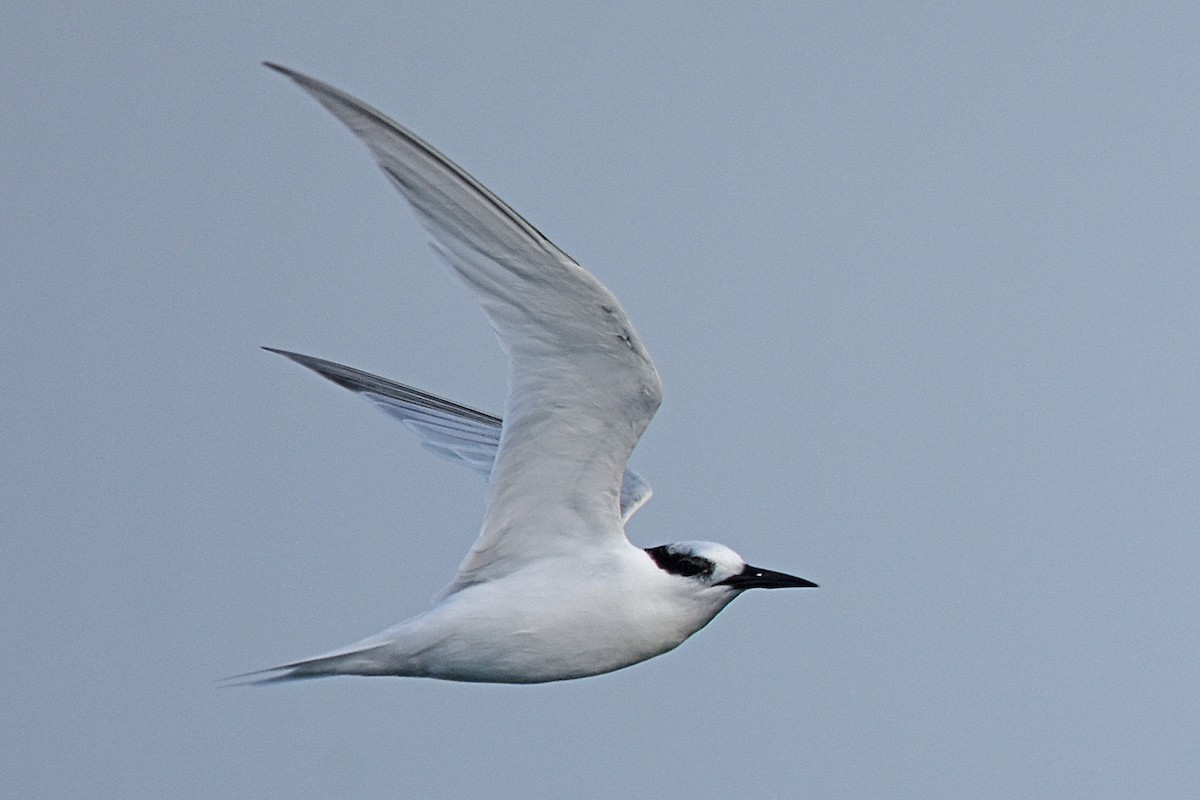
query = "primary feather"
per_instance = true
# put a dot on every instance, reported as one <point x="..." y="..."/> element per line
<point x="447" y="429"/>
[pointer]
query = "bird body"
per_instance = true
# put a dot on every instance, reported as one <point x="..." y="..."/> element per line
<point x="552" y="589"/>
<point x="518" y="629"/>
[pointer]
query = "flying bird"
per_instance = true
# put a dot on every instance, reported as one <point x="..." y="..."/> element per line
<point x="551" y="589"/>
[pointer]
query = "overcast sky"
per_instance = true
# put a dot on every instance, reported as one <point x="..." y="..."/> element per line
<point x="921" y="281"/>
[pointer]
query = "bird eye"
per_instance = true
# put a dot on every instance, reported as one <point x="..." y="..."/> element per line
<point x="684" y="564"/>
<point x="692" y="565"/>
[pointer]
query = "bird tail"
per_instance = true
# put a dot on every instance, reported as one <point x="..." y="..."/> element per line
<point x="363" y="661"/>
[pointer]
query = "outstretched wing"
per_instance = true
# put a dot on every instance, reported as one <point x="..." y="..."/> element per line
<point x="582" y="388"/>
<point x="452" y="431"/>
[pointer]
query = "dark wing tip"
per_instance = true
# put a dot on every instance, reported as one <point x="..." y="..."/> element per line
<point x="347" y="377"/>
<point x="356" y="380"/>
<point x="308" y="82"/>
<point x="299" y="358"/>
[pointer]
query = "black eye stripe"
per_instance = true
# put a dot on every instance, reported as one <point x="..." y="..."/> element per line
<point x="685" y="564"/>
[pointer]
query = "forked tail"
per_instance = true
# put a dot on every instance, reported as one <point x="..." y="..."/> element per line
<point x="355" y="662"/>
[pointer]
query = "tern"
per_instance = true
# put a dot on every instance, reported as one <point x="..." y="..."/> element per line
<point x="552" y="589"/>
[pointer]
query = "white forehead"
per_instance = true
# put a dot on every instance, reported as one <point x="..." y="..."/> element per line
<point x="726" y="561"/>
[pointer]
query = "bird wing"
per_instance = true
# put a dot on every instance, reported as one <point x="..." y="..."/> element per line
<point x="447" y="429"/>
<point x="582" y="388"/>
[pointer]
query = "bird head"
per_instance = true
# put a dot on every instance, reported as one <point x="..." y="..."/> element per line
<point x="714" y="565"/>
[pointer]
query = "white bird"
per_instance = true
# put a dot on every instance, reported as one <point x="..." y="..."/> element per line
<point x="552" y="589"/>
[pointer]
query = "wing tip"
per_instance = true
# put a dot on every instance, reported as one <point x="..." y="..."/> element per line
<point x="299" y="358"/>
<point x="338" y="373"/>
<point x="280" y="69"/>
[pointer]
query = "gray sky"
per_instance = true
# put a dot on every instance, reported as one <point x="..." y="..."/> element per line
<point x="921" y="281"/>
